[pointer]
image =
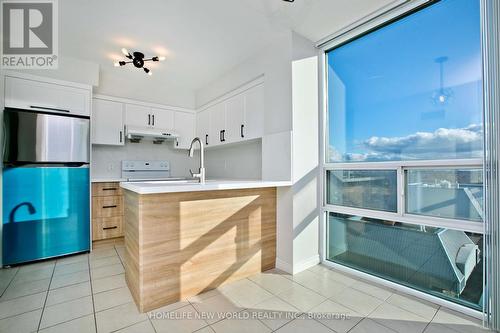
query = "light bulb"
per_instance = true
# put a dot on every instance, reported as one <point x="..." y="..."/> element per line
<point x="116" y="64"/>
<point x="150" y="73"/>
<point x="161" y="58"/>
<point x="442" y="98"/>
<point x="125" y="52"/>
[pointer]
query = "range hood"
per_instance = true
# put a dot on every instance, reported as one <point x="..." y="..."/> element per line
<point x="157" y="135"/>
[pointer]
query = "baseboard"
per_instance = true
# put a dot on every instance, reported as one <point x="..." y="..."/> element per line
<point x="284" y="266"/>
<point x="305" y="264"/>
<point x="299" y="267"/>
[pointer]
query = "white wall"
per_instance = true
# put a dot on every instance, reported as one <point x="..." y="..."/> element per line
<point x="120" y="82"/>
<point x="305" y="153"/>
<point x="290" y="145"/>
<point x="238" y="161"/>
<point x="70" y="69"/>
<point x="272" y="61"/>
<point x="106" y="160"/>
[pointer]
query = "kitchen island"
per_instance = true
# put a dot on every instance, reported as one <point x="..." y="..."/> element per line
<point x="183" y="239"/>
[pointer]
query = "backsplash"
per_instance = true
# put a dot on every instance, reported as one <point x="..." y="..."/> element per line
<point x="243" y="161"/>
<point x="106" y="160"/>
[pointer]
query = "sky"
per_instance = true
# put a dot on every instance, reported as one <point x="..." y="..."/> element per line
<point x="383" y="88"/>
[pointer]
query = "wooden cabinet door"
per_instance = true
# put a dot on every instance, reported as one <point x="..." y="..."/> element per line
<point x="107" y="122"/>
<point x="254" y="112"/>
<point x="235" y="119"/>
<point x="184" y="126"/>
<point x="138" y="115"/>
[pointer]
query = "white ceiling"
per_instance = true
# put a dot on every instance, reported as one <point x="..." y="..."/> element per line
<point x="201" y="39"/>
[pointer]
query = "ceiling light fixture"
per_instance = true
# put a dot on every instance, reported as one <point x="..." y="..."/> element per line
<point x="138" y="60"/>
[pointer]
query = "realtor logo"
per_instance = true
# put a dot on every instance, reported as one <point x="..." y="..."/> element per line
<point x="29" y="34"/>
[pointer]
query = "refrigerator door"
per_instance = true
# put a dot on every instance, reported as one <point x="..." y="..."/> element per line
<point x="34" y="137"/>
<point x="46" y="212"/>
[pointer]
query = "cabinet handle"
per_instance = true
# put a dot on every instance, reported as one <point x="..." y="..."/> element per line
<point x="223" y="135"/>
<point x="121" y="134"/>
<point x="149" y="119"/>
<point x="107" y="228"/>
<point x="241" y="131"/>
<point x="109" y="189"/>
<point x="153" y="117"/>
<point x="206" y="139"/>
<point x="46" y="108"/>
<point x="220" y="136"/>
<point x="111" y="206"/>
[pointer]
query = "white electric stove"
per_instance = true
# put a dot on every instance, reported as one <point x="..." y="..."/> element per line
<point x="146" y="170"/>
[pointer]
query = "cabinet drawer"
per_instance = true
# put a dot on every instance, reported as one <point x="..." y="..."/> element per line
<point x="107" y="206"/>
<point x="106" y="189"/>
<point x="107" y="227"/>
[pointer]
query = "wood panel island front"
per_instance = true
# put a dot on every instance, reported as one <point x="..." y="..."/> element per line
<point x="182" y="240"/>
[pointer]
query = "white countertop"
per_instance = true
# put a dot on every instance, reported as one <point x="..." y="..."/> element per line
<point x="154" y="187"/>
<point x="107" y="180"/>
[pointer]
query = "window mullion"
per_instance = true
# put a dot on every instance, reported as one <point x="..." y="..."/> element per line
<point x="400" y="190"/>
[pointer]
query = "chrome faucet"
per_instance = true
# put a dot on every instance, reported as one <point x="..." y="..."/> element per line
<point x="201" y="174"/>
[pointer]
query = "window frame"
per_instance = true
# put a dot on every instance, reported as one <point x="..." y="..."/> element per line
<point x="401" y="215"/>
<point x="374" y="21"/>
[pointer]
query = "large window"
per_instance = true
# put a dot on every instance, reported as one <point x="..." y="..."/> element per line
<point x="403" y="164"/>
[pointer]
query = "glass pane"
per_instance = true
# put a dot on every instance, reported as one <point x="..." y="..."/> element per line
<point x="369" y="189"/>
<point x="449" y="193"/>
<point x="410" y="90"/>
<point x="46" y="212"/>
<point x="443" y="262"/>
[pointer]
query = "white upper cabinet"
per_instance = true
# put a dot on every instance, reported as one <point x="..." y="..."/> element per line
<point x="107" y="122"/>
<point x="184" y="124"/>
<point x="145" y="116"/>
<point x="162" y="118"/>
<point x="138" y="115"/>
<point x="218" y="123"/>
<point x="203" y="127"/>
<point x="254" y="112"/>
<point x="235" y="118"/>
<point x="46" y="97"/>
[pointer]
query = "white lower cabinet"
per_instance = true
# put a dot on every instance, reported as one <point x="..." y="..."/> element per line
<point x="107" y="122"/>
<point x="184" y="124"/>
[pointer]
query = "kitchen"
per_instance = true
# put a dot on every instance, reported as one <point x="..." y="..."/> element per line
<point x="174" y="172"/>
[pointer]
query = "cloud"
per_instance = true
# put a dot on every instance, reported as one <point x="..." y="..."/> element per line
<point x="443" y="143"/>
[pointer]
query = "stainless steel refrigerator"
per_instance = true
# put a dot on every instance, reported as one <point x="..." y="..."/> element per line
<point x="46" y="185"/>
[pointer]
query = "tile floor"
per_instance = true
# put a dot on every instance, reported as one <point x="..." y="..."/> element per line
<point x="87" y="293"/>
